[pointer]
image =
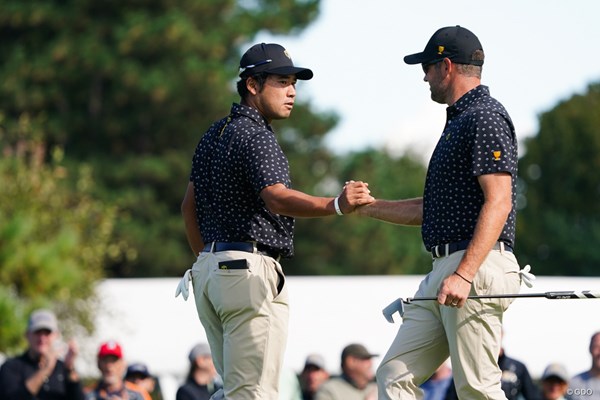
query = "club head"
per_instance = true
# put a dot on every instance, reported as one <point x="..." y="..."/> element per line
<point x="396" y="305"/>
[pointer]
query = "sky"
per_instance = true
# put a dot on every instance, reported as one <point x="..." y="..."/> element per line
<point x="537" y="54"/>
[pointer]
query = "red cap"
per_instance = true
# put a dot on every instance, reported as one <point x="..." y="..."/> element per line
<point x="110" y="348"/>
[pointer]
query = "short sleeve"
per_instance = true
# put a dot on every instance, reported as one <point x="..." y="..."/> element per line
<point x="494" y="147"/>
<point x="265" y="161"/>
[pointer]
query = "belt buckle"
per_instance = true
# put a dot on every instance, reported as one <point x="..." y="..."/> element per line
<point x="436" y="250"/>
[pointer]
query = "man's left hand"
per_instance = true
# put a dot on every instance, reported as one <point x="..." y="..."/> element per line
<point x="454" y="291"/>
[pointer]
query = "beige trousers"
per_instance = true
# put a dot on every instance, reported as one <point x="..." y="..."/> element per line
<point x="245" y="315"/>
<point x="470" y="335"/>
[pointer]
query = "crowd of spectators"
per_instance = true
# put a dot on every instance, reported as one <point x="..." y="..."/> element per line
<point x="43" y="371"/>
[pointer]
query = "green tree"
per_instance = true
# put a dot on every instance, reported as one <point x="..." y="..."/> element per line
<point x="559" y="223"/>
<point x="353" y="245"/>
<point x="54" y="238"/>
<point x="128" y="87"/>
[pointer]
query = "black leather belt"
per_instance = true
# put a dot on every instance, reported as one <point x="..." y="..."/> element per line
<point x="444" y="250"/>
<point x="248" y="247"/>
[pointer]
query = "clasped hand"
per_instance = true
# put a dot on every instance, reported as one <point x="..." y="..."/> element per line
<point x="354" y="194"/>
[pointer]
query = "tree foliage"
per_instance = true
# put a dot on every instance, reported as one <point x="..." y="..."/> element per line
<point x="128" y="87"/>
<point x="103" y="103"/>
<point x="353" y="245"/>
<point x="54" y="238"/>
<point x="560" y="222"/>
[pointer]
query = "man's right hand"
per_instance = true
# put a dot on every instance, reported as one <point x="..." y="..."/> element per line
<point x="354" y="194"/>
<point x="48" y="361"/>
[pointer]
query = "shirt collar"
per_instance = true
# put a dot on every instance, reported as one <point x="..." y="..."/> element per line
<point x="467" y="99"/>
<point x="349" y="380"/>
<point x="251" y="113"/>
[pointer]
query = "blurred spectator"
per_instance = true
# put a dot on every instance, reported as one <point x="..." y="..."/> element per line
<point x="138" y="374"/>
<point x="586" y="385"/>
<point x="312" y="376"/>
<point x="516" y="381"/>
<point x="436" y="387"/>
<point x="39" y="373"/>
<point x="202" y="379"/>
<point x="112" y="384"/>
<point x="555" y="382"/>
<point x="357" y="379"/>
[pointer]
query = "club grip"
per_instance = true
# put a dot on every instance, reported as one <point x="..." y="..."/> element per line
<point x="585" y="294"/>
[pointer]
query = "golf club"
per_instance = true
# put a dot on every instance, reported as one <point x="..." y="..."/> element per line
<point x="398" y="304"/>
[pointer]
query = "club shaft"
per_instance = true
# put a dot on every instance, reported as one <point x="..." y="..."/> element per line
<point x="586" y="294"/>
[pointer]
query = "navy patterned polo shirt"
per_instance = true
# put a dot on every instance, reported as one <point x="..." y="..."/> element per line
<point x="479" y="138"/>
<point x="235" y="159"/>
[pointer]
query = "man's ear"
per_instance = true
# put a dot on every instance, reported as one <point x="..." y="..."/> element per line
<point x="252" y="85"/>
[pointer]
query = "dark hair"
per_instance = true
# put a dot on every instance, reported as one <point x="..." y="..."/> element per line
<point x="260" y="79"/>
<point x="472" y="70"/>
<point x="592" y="339"/>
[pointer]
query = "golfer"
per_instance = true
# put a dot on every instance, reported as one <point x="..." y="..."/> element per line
<point x="239" y="212"/>
<point x="467" y="214"/>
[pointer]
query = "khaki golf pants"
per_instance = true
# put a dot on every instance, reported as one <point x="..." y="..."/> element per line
<point x="470" y="335"/>
<point x="245" y="313"/>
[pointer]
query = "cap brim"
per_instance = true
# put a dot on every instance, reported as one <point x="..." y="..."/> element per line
<point x="366" y="356"/>
<point x="301" y="73"/>
<point x="46" y="327"/>
<point x="313" y="365"/>
<point x="417" y="58"/>
<point x="140" y="373"/>
<point x="557" y="376"/>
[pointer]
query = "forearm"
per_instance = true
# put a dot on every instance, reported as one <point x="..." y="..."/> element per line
<point x="492" y="217"/>
<point x="35" y="381"/>
<point x="487" y="231"/>
<point x="192" y="230"/>
<point x="401" y="212"/>
<point x="293" y="203"/>
<point x="192" y="233"/>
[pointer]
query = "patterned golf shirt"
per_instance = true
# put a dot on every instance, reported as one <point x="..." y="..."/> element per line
<point x="479" y="138"/>
<point x="235" y="159"/>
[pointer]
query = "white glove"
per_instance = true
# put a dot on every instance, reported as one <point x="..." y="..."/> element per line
<point x="184" y="285"/>
<point x="527" y="276"/>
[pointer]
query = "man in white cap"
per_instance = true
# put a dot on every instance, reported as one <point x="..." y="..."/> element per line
<point x="39" y="373"/>
<point x="555" y="382"/>
<point x="313" y="375"/>
<point x="202" y="379"/>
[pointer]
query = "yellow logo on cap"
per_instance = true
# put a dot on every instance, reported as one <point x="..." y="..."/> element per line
<point x="441" y="49"/>
<point x="497" y="154"/>
<point x="287" y="54"/>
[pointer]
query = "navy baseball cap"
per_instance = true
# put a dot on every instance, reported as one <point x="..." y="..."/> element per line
<point x="273" y="59"/>
<point x="137" y="369"/>
<point x="453" y="42"/>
